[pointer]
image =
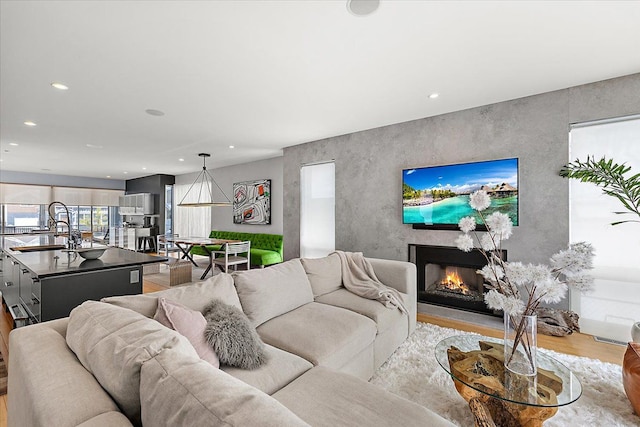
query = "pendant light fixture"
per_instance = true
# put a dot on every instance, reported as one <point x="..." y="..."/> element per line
<point x="203" y="185"/>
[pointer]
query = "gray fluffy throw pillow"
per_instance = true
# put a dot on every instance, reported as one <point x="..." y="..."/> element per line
<point x="231" y="335"/>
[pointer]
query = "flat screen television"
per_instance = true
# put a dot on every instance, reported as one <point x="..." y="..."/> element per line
<point x="437" y="197"/>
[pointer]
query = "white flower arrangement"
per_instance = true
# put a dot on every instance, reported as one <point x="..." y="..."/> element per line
<point x="514" y="287"/>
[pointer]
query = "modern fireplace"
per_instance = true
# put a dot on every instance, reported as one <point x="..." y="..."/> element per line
<point x="447" y="276"/>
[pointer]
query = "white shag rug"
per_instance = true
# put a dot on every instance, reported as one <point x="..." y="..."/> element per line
<point x="414" y="373"/>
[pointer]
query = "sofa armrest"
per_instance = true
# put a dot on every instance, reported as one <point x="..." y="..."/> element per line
<point x="400" y="275"/>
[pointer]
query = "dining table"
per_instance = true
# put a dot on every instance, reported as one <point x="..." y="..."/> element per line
<point x="185" y="244"/>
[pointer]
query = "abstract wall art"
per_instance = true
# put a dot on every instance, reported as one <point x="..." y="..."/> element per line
<point x="252" y="202"/>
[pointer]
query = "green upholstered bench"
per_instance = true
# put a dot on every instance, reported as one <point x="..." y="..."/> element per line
<point x="266" y="249"/>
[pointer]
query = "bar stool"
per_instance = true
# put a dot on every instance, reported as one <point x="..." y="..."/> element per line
<point x="142" y="243"/>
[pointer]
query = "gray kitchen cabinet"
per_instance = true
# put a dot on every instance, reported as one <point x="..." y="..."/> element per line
<point x="10" y="281"/>
<point x="38" y="299"/>
<point x="136" y="204"/>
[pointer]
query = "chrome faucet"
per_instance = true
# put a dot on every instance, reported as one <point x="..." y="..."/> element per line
<point x="73" y="239"/>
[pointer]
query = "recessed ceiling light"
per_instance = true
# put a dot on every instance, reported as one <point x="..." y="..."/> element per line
<point x="15" y="144"/>
<point x="108" y="176"/>
<point x="93" y="146"/>
<point x="434" y="95"/>
<point x="153" y="112"/>
<point x="30" y="123"/>
<point x="362" y="7"/>
<point x="232" y="146"/>
<point x="59" y="85"/>
<point x="181" y="160"/>
<point x="125" y="173"/>
<point x="144" y="169"/>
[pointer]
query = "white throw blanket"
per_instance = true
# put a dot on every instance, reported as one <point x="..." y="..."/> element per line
<point x="358" y="277"/>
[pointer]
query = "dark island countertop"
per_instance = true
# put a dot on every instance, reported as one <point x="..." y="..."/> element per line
<point x="59" y="262"/>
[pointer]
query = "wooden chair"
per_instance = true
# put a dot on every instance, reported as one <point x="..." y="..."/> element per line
<point x="229" y="255"/>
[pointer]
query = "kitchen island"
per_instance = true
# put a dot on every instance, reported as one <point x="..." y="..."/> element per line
<point x="43" y="282"/>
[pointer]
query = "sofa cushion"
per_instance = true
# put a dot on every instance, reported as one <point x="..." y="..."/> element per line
<point x="325" y="274"/>
<point x="112" y="343"/>
<point x="195" y="296"/>
<point x="320" y="333"/>
<point x="185" y="391"/>
<point x="322" y="397"/>
<point x="281" y="368"/>
<point x="384" y="317"/>
<point x="265" y="257"/>
<point x="108" y="419"/>
<point x="270" y="292"/>
<point x="189" y="323"/>
<point x="46" y="380"/>
<point x="232" y="336"/>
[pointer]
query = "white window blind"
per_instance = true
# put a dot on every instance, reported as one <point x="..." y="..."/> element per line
<point x="72" y="196"/>
<point x="105" y="197"/>
<point x="317" y="210"/>
<point x="24" y="194"/>
<point x="42" y="195"/>
<point x="190" y="221"/>
<point x="614" y="305"/>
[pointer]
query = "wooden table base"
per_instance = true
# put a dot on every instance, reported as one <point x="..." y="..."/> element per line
<point x="492" y="412"/>
<point x="484" y="369"/>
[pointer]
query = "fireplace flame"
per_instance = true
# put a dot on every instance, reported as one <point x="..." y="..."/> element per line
<point x="454" y="282"/>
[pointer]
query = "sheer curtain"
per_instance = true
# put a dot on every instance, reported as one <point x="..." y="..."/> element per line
<point x="317" y="210"/>
<point x="614" y="305"/>
<point x="190" y="221"/>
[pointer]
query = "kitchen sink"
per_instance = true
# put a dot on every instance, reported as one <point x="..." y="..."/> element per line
<point x="37" y="248"/>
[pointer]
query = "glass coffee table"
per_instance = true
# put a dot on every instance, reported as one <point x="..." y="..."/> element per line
<point x="497" y="396"/>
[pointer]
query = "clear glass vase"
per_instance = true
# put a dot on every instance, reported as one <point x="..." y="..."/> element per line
<point x="520" y="345"/>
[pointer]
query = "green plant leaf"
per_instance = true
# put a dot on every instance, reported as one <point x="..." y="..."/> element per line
<point x="610" y="177"/>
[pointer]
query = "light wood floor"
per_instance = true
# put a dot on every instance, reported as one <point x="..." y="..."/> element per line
<point x="576" y="344"/>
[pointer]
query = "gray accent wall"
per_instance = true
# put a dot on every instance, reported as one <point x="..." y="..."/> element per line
<point x="369" y="168"/>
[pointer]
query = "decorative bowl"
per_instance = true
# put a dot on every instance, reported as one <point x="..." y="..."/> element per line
<point x="91" y="253"/>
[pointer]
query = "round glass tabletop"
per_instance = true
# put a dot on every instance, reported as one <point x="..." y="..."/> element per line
<point x="554" y="386"/>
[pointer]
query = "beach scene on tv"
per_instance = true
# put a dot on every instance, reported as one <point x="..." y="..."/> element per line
<point x="439" y="195"/>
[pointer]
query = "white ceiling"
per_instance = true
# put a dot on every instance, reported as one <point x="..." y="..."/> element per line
<point x="263" y="75"/>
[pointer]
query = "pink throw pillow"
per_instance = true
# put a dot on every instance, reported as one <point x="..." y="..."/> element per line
<point x="187" y="322"/>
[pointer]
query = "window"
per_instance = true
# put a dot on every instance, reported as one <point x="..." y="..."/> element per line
<point x="23" y="207"/>
<point x="21" y="218"/>
<point x="168" y="209"/>
<point x="100" y="220"/>
<point x="25" y="218"/>
<point x="317" y="210"/>
<point x="614" y="305"/>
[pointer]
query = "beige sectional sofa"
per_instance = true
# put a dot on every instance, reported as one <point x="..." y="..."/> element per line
<point x="111" y="364"/>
